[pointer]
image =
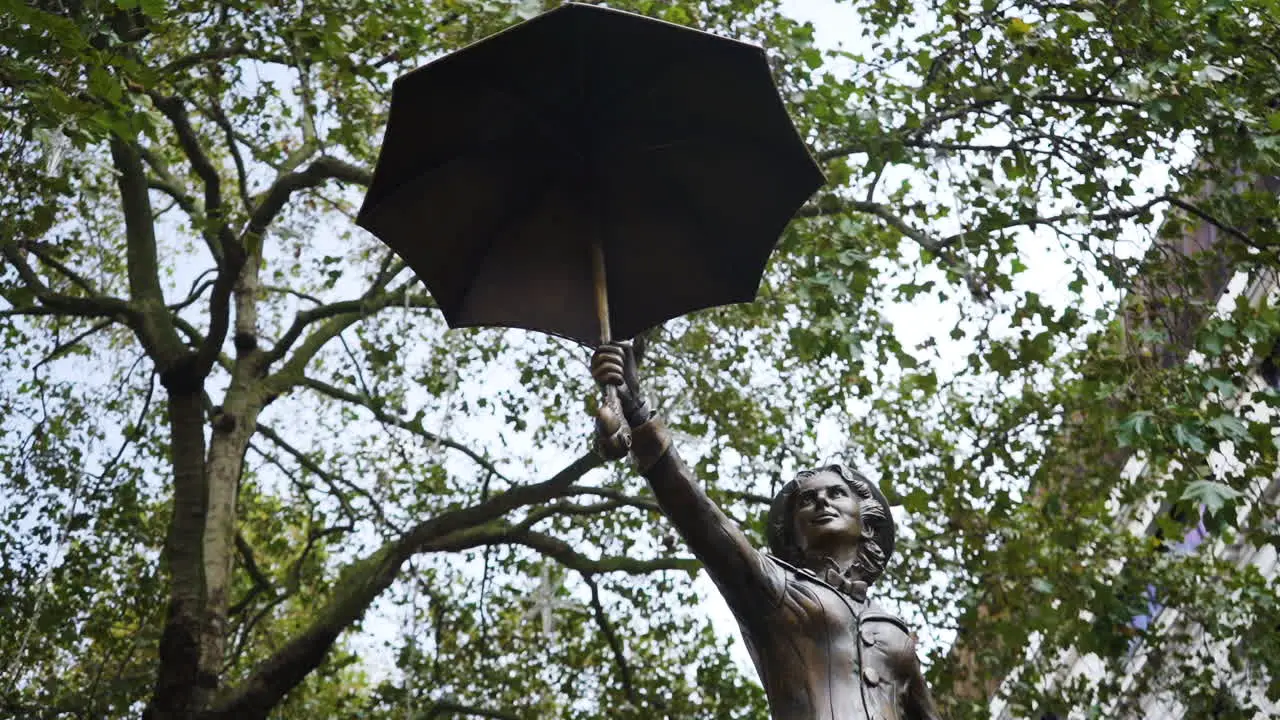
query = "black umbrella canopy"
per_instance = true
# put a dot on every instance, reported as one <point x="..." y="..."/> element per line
<point x="503" y="163"/>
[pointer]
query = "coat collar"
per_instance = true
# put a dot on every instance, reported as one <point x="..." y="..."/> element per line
<point x="869" y="612"/>
<point x="856" y="591"/>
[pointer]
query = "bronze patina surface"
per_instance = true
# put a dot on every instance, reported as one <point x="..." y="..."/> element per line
<point x="823" y="651"/>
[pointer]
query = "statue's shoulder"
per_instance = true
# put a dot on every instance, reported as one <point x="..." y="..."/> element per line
<point x="786" y="566"/>
<point x="793" y="571"/>
<point x="875" y="614"/>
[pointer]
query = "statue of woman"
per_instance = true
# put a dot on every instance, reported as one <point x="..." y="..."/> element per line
<point x="821" y="649"/>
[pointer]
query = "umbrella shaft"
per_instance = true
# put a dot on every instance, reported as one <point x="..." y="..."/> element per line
<point x="601" y="289"/>
<point x="618" y="443"/>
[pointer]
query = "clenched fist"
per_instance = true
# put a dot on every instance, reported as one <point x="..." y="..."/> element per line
<point x="615" y="364"/>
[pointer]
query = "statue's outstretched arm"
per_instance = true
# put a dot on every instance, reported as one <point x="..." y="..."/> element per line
<point x="749" y="582"/>
<point x="917" y="700"/>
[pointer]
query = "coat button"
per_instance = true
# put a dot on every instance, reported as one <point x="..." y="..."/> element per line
<point x="871" y="676"/>
<point x="867" y="637"/>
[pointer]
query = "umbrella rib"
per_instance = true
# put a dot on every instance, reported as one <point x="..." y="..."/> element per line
<point x="732" y="136"/>
<point x="670" y="190"/>
<point x="534" y="192"/>
<point x="401" y="188"/>
<point x="655" y="79"/>
<point x="518" y="103"/>
<point x="680" y="199"/>
<point x="539" y="116"/>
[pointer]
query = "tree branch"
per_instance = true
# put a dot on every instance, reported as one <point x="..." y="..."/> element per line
<point x="500" y="533"/>
<point x="1196" y="211"/>
<point x="219" y="314"/>
<point x="565" y="508"/>
<point x="41" y="251"/>
<point x="1110" y="216"/>
<point x="233" y="147"/>
<point x="305" y="93"/>
<point x="832" y="206"/>
<point x="64" y="346"/>
<point x="261" y="583"/>
<point x="1105" y="100"/>
<point x="643" y="502"/>
<point x="198" y="286"/>
<point x="273" y="200"/>
<point x="250" y="562"/>
<point x="233" y="251"/>
<point x="414" y="426"/>
<point x="750" y="497"/>
<point x="199" y="58"/>
<point x="331" y="479"/>
<point x="362" y="581"/>
<point x="163" y="180"/>
<point x="154" y="327"/>
<point x="942" y="248"/>
<point x="355" y="309"/>
<point x="173" y="109"/>
<point x="615" y="643"/>
<point x="52" y="303"/>
<point x="914" y="137"/>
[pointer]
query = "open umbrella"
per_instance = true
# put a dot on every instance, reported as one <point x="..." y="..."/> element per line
<point x="588" y="173"/>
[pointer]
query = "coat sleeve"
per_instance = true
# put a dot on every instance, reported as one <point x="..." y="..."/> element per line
<point x="750" y="584"/>
<point x="918" y="701"/>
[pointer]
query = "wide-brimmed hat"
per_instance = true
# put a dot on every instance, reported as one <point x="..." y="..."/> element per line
<point x="781" y="532"/>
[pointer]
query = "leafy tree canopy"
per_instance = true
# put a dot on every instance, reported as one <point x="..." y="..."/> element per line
<point x="239" y="450"/>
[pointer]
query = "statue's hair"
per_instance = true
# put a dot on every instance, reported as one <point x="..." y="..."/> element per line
<point x="872" y="557"/>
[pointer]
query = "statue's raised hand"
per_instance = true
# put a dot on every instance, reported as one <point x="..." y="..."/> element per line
<point x="614" y="364"/>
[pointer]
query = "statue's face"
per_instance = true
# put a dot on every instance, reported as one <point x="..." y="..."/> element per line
<point x="825" y="511"/>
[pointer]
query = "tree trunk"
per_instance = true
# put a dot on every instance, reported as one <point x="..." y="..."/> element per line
<point x="179" y="679"/>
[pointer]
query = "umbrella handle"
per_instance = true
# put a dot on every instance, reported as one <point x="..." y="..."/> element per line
<point x="613" y="437"/>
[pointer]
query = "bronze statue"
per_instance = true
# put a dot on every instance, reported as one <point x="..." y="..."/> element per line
<point x="821" y="649"/>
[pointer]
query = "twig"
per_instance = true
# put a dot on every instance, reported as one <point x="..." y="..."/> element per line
<point x="611" y="637"/>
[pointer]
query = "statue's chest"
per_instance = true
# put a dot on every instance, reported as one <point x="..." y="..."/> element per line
<point x="820" y="610"/>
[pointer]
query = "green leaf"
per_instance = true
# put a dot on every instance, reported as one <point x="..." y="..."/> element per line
<point x="1185" y="435"/>
<point x="1134" y="427"/>
<point x="1019" y="27"/>
<point x="916" y="501"/>
<point x="1212" y="495"/>
<point x="103" y="85"/>
<point x="1225" y="388"/>
<point x="1230" y="427"/>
